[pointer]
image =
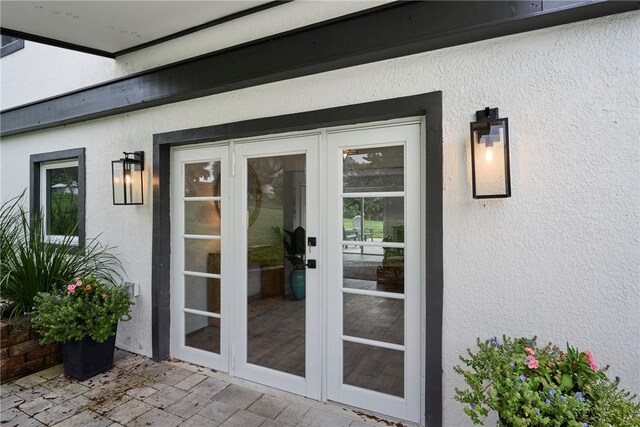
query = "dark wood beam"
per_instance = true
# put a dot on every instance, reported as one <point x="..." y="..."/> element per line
<point x="388" y="31"/>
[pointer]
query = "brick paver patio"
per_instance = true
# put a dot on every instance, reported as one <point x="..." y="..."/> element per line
<point x="140" y="392"/>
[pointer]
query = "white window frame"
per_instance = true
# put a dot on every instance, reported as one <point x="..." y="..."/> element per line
<point x="44" y="167"/>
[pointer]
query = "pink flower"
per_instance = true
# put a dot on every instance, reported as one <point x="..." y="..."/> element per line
<point x="78" y="282"/>
<point x="592" y="362"/>
<point x="87" y="288"/>
<point x="529" y="351"/>
<point x="71" y="288"/>
<point x="533" y="363"/>
<point x="104" y="296"/>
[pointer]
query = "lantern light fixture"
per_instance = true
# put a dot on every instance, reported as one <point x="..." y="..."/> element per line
<point x="490" y="170"/>
<point x="126" y="174"/>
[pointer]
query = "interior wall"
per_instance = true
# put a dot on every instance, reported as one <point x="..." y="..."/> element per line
<point x="558" y="260"/>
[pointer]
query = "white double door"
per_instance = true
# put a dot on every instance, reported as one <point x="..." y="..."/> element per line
<point x="296" y="263"/>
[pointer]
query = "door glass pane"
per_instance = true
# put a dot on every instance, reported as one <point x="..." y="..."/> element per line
<point x="202" y="332"/>
<point x="383" y="219"/>
<point x="202" y="217"/>
<point x="374" y="318"/>
<point x="202" y="293"/>
<point x="373" y="169"/>
<point x="62" y="201"/>
<point x="374" y="368"/>
<point x="275" y="270"/>
<point x="202" y="255"/>
<point x="202" y="179"/>
<point x="382" y="271"/>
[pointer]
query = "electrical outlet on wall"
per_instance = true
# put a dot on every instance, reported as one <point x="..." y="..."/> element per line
<point x="133" y="289"/>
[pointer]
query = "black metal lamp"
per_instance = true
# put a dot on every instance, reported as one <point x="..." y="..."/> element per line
<point x="126" y="176"/>
<point x="490" y="171"/>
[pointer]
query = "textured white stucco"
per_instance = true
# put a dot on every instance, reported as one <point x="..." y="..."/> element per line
<point x="560" y="259"/>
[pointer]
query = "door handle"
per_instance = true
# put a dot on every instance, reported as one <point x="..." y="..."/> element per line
<point x="311" y="263"/>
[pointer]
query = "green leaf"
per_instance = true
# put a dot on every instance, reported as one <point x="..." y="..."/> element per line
<point x="566" y="383"/>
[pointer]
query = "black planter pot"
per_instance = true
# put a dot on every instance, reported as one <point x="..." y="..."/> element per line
<point x="87" y="358"/>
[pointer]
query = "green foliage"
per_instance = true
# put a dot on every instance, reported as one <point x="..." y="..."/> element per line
<point x="29" y="264"/>
<point x="62" y="212"/>
<point x="84" y="308"/>
<point x="530" y="386"/>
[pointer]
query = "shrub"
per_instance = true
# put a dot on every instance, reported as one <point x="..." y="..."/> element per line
<point x="530" y="386"/>
<point x="85" y="308"/>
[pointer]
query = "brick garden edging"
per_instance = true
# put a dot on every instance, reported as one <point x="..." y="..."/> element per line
<point x="21" y="353"/>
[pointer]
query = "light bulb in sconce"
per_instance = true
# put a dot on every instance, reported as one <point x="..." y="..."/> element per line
<point x="127" y="179"/>
<point x="487" y="141"/>
<point x="488" y="154"/>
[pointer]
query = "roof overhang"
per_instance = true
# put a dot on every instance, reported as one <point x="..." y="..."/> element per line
<point x="112" y="28"/>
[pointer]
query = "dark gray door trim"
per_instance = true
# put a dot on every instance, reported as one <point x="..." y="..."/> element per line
<point x="389" y="31"/>
<point x="428" y="105"/>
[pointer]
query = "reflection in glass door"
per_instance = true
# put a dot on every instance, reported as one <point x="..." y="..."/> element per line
<point x="276" y="250"/>
<point x="198" y="286"/>
<point x="279" y="292"/>
<point x="374" y="295"/>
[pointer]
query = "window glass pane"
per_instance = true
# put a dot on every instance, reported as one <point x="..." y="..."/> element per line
<point x="202" y="255"/>
<point x="62" y="201"/>
<point x="373" y="169"/>
<point x="374" y="318"/>
<point x="383" y="219"/>
<point x="202" y="332"/>
<point x="202" y="179"/>
<point x="202" y="218"/>
<point x="202" y="293"/>
<point x="374" y="368"/>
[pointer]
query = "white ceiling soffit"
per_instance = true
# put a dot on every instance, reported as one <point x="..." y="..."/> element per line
<point x="114" y="26"/>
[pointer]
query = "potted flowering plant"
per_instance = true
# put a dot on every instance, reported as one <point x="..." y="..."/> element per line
<point x="528" y="385"/>
<point x="83" y="317"/>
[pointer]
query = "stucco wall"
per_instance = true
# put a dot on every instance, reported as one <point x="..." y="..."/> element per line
<point x="560" y="259"/>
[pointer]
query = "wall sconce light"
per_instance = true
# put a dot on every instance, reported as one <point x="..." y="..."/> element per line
<point x="490" y="171"/>
<point x="126" y="175"/>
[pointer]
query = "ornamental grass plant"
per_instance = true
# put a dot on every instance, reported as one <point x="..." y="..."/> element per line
<point x="84" y="308"/>
<point x="29" y="264"/>
<point x="528" y="385"/>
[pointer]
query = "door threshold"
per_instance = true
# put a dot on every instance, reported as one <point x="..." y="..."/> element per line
<point x="357" y="415"/>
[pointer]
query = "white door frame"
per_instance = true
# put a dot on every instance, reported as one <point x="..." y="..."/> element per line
<point x="310" y="385"/>
<point x="322" y="380"/>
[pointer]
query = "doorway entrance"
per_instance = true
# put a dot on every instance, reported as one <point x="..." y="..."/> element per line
<point x="296" y="263"/>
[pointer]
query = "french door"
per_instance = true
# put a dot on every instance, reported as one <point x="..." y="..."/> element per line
<point x="373" y="287"/>
<point x="276" y="338"/>
<point x="296" y="263"/>
<point x="201" y="268"/>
